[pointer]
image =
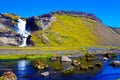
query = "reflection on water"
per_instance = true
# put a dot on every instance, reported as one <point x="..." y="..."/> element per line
<point x="22" y="64"/>
<point x="108" y="72"/>
<point x="25" y="71"/>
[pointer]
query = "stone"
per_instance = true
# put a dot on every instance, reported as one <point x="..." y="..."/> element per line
<point x="115" y="63"/>
<point x="91" y="67"/>
<point x="8" y="76"/>
<point x="98" y="64"/>
<point x="45" y="39"/>
<point x="110" y="55"/>
<point x="68" y="70"/>
<point x="40" y="66"/>
<point x="105" y="58"/>
<point x="84" y="67"/>
<point x="75" y="63"/>
<point x="65" y="59"/>
<point x="89" y="57"/>
<point x="45" y="74"/>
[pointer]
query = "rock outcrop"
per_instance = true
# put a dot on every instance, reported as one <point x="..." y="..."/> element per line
<point x="40" y="22"/>
<point x="79" y="14"/>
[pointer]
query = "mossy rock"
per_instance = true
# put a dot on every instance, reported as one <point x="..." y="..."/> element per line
<point x="110" y="55"/>
<point x="89" y="59"/>
<point x="68" y="71"/>
<point x="40" y="66"/>
<point x="37" y="23"/>
<point x="98" y="64"/>
<point x="45" y="39"/>
<point x="84" y="67"/>
<point x="57" y="68"/>
<point x="89" y="55"/>
<point x="91" y="67"/>
<point x="8" y="76"/>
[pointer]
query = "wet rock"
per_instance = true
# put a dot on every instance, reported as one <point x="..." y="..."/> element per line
<point x="91" y="67"/>
<point x="105" y="58"/>
<point x="75" y="63"/>
<point x="98" y="64"/>
<point x="45" y="74"/>
<point x="68" y="70"/>
<point x="110" y="55"/>
<point x="65" y="59"/>
<point x="83" y="67"/>
<point x="89" y="57"/>
<point x="8" y="76"/>
<point x="115" y="63"/>
<point x="40" y="66"/>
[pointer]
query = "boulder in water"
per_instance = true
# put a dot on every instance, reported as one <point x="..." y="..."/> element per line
<point x="68" y="70"/>
<point x="40" y="66"/>
<point x="45" y="74"/>
<point x="65" y="59"/>
<point x="110" y="55"/>
<point x="75" y="63"/>
<point x="115" y="63"/>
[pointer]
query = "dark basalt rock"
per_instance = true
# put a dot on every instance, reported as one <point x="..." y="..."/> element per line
<point x="38" y="22"/>
<point x="31" y="24"/>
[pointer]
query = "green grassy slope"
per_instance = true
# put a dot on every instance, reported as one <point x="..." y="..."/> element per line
<point x="71" y="31"/>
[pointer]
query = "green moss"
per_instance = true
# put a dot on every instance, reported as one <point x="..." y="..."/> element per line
<point x="89" y="57"/>
<point x="14" y="17"/>
<point x="38" y="23"/>
<point x="98" y="64"/>
<point x="83" y="67"/>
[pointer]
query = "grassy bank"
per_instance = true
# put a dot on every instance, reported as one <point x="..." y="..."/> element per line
<point x="26" y="56"/>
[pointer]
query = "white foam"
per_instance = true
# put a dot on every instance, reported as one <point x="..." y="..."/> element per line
<point x="21" y="25"/>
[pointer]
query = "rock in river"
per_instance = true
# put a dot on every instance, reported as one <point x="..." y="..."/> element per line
<point x="8" y="76"/>
<point x="45" y="74"/>
<point x="40" y="66"/>
<point x="115" y="63"/>
<point x="65" y="59"/>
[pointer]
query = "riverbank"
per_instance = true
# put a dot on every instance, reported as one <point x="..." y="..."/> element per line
<point x="47" y="52"/>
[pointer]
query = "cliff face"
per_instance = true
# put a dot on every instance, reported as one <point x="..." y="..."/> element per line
<point x="7" y="33"/>
<point x="65" y="28"/>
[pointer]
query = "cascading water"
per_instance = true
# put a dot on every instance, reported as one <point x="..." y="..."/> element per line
<point x="21" y="25"/>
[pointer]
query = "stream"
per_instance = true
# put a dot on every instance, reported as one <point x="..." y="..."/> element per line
<point x="25" y="70"/>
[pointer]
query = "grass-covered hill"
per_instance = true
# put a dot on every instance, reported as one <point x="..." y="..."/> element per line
<point x="64" y="29"/>
<point x="71" y="30"/>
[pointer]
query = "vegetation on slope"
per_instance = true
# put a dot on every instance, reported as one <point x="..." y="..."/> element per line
<point x="66" y="31"/>
<point x="13" y="17"/>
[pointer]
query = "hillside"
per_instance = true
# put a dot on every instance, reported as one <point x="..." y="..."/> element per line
<point x="63" y="28"/>
<point x="71" y="30"/>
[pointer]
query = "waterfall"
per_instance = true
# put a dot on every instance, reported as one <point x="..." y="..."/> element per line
<point x="21" y="25"/>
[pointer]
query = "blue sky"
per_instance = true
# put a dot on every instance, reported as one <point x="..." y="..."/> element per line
<point x="107" y="10"/>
